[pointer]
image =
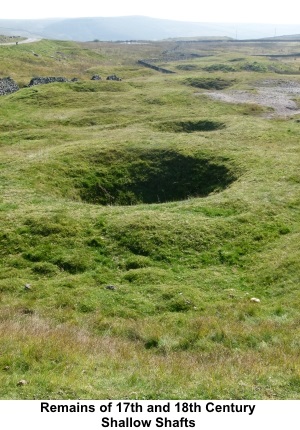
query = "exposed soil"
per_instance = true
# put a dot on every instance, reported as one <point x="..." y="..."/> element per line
<point x="276" y="94"/>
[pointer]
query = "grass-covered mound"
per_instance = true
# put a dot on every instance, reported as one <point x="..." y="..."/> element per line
<point x="209" y="83"/>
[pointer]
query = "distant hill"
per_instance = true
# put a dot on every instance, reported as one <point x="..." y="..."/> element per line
<point x="136" y="28"/>
<point x="286" y="37"/>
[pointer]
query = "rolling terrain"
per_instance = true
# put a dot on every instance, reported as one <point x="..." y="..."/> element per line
<point x="140" y="218"/>
<point x="137" y="28"/>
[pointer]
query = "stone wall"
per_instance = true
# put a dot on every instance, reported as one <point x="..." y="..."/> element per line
<point x="152" y="66"/>
<point x="8" y="86"/>
<point x="46" y="80"/>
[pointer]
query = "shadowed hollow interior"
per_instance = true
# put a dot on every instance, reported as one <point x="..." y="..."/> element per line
<point x="152" y="176"/>
<point x="190" y="126"/>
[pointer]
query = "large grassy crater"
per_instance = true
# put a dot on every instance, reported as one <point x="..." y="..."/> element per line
<point x="136" y="176"/>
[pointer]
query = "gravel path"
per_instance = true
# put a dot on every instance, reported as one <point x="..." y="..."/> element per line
<point x="276" y="94"/>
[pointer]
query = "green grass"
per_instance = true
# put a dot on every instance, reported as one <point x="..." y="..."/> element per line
<point x="209" y="83"/>
<point x="203" y="214"/>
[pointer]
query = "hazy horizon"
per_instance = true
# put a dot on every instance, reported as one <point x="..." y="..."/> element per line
<point x="231" y="11"/>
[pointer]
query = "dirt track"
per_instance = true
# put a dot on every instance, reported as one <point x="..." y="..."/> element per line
<point x="29" y="40"/>
<point x="276" y="94"/>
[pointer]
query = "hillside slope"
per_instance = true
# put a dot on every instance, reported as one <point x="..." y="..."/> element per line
<point x="149" y="240"/>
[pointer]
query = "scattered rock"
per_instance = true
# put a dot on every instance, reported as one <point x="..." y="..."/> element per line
<point x="8" y="86"/>
<point x="113" y="78"/>
<point x="6" y="368"/>
<point x="22" y="382"/>
<point x="254" y="300"/>
<point x="27" y="286"/>
<point x="96" y="78"/>
<point x="110" y="287"/>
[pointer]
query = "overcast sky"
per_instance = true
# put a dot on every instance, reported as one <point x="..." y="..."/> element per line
<point x="253" y="11"/>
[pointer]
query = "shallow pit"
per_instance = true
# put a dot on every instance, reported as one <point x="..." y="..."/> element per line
<point x="190" y="126"/>
<point x="152" y="176"/>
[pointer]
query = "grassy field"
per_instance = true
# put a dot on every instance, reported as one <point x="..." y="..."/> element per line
<point x="10" y="39"/>
<point x="145" y="216"/>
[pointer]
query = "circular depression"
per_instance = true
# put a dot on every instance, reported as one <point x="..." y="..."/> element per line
<point x="138" y="176"/>
<point x="190" y="126"/>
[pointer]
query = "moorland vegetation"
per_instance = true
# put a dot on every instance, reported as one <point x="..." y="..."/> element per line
<point x="139" y="218"/>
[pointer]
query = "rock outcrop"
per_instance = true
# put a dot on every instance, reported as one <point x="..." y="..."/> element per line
<point x="8" y="86"/>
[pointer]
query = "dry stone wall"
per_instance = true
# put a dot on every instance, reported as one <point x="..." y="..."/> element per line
<point x="46" y="80"/>
<point x="8" y="86"/>
<point x="152" y="66"/>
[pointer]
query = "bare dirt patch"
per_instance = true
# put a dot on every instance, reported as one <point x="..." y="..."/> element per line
<point x="275" y="94"/>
